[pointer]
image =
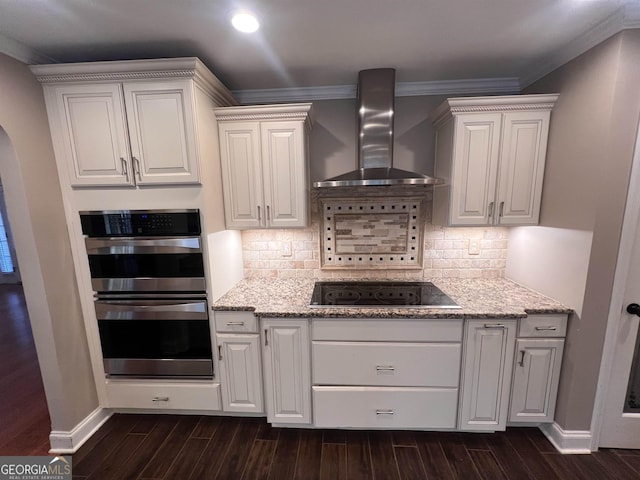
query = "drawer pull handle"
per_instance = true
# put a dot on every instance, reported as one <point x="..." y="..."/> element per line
<point x="493" y="325"/>
<point x="233" y="324"/>
<point x="384" y="412"/>
<point x="160" y="399"/>
<point x="385" y="368"/>
<point x="539" y="329"/>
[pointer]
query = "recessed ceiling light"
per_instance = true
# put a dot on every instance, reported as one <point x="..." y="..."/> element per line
<point x="245" y="22"/>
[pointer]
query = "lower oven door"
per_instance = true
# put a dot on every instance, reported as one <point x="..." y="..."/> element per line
<point x="155" y="337"/>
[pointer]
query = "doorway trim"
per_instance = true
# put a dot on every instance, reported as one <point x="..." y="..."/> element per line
<point x="629" y="225"/>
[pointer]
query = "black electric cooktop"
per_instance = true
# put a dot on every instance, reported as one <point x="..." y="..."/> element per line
<point x="380" y="294"/>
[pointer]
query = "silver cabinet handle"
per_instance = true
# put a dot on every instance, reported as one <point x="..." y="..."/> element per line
<point x="160" y="399"/>
<point x="491" y="210"/>
<point x="385" y="368"/>
<point x="259" y="219"/>
<point x="232" y="324"/>
<point x="125" y="168"/>
<point x="220" y="352"/>
<point x="136" y="168"/>
<point x="494" y="325"/>
<point x="549" y="328"/>
<point x="266" y="337"/>
<point x="384" y="411"/>
<point x="522" y="354"/>
<point x="268" y="213"/>
<point x="501" y="209"/>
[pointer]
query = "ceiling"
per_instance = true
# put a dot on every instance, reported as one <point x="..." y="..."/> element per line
<point x="319" y="43"/>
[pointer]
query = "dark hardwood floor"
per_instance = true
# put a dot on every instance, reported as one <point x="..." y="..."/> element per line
<point x="175" y="447"/>
<point x="24" y="417"/>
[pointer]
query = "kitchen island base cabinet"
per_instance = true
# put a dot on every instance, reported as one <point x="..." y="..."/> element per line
<point x="385" y="407"/>
<point x="486" y="374"/>
<point x="287" y="370"/>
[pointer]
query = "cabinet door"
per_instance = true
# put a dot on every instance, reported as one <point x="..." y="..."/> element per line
<point x="240" y="378"/>
<point x="475" y="167"/>
<point x="523" y="153"/>
<point x="162" y="132"/>
<point x="535" y="379"/>
<point x="90" y="131"/>
<point x="287" y="370"/>
<point x="241" y="174"/>
<point x="285" y="174"/>
<point x="488" y="362"/>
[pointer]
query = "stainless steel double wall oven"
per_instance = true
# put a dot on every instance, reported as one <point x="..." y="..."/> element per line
<point x="147" y="271"/>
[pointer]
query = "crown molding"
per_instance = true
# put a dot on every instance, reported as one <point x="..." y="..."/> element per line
<point x="504" y="85"/>
<point x="297" y="111"/>
<point x="508" y="103"/>
<point x="628" y="16"/>
<point x="123" y="70"/>
<point x="21" y="52"/>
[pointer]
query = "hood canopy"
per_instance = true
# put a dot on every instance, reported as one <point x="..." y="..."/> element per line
<point x="376" y="97"/>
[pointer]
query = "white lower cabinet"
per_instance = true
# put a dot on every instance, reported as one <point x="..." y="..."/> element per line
<point x="169" y="395"/>
<point x="377" y="373"/>
<point x="385" y="407"/>
<point x="287" y="370"/>
<point x="536" y="373"/>
<point x="240" y="372"/>
<point x="486" y="374"/>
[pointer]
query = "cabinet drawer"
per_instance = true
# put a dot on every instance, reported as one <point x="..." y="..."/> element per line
<point x="386" y="364"/>
<point x="236" y="322"/>
<point x="164" y="395"/>
<point x="543" y="326"/>
<point x="369" y="407"/>
<point x="387" y="330"/>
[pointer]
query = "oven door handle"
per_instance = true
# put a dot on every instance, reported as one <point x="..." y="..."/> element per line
<point x="150" y="310"/>
<point x="110" y="246"/>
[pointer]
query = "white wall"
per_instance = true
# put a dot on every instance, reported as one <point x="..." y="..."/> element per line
<point x="553" y="261"/>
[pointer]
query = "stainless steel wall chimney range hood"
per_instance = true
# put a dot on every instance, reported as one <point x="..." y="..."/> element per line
<point x="376" y="97"/>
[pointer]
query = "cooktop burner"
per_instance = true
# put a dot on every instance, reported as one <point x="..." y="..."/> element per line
<point x="380" y="294"/>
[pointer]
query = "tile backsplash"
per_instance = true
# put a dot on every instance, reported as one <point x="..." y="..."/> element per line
<point x="380" y="233"/>
<point x="445" y="254"/>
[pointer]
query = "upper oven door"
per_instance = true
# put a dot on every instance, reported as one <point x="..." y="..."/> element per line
<point x="143" y="264"/>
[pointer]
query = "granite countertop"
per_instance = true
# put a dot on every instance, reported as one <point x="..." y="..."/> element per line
<point x="479" y="298"/>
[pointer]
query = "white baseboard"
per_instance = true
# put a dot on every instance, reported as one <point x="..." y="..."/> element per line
<point x="567" y="441"/>
<point x="68" y="442"/>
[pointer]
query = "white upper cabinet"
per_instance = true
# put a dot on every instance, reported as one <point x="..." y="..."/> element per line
<point x="160" y="117"/>
<point x="264" y="153"/>
<point x="92" y="133"/>
<point x="491" y="152"/>
<point x="128" y="123"/>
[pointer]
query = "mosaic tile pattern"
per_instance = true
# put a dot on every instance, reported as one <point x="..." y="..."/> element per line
<point x="372" y="233"/>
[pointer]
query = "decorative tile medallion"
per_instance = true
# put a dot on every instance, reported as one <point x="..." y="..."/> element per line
<point x="372" y="233"/>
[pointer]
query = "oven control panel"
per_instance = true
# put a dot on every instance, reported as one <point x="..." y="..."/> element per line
<point x="143" y="223"/>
